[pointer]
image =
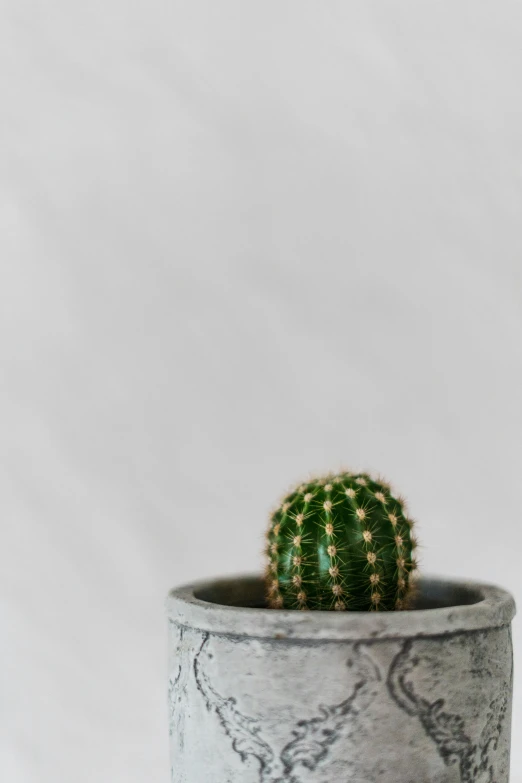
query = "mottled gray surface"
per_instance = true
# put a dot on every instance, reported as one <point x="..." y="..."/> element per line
<point x="420" y="707"/>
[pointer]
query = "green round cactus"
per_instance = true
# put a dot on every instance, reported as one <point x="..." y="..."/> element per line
<point x="340" y="542"/>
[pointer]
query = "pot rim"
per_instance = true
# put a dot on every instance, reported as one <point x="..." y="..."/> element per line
<point x="488" y="606"/>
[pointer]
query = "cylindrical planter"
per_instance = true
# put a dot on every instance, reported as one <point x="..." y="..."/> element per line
<point x="261" y="695"/>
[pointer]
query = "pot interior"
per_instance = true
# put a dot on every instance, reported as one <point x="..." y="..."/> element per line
<point x="250" y="592"/>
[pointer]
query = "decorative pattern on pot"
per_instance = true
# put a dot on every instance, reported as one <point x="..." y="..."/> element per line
<point x="448" y="730"/>
<point x="312" y="739"/>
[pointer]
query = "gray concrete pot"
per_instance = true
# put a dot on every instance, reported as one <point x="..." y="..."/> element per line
<point x="272" y="696"/>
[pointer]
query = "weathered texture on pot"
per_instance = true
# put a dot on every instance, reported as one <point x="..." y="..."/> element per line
<point x="270" y="696"/>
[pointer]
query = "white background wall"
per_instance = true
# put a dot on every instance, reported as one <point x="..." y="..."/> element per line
<point x="239" y="241"/>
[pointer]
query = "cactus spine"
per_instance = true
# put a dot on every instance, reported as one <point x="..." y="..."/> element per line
<point x="340" y="542"/>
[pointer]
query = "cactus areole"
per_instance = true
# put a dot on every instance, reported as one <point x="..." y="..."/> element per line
<point x="340" y="542"/>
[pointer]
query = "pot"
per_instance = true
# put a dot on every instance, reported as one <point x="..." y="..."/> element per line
<point x="260" y="695"/>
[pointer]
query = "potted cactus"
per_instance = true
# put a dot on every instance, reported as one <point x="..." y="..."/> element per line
<point x="339" y="663"/>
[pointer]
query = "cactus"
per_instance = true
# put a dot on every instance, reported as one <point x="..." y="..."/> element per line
<point x="340" y="542"/>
